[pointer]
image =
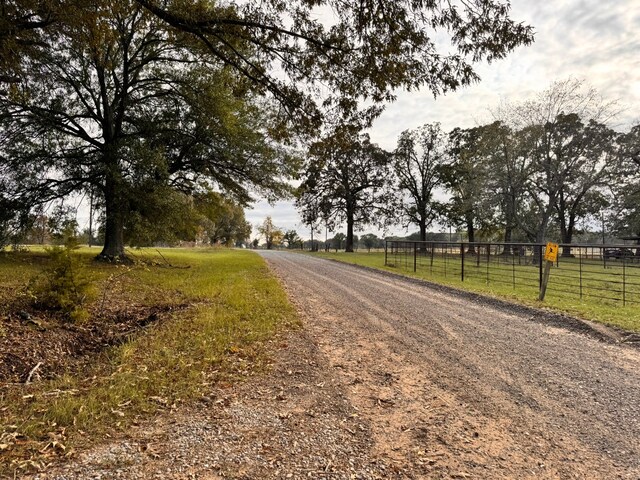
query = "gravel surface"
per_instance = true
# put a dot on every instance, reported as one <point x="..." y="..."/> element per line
<point x="391" y="378"/>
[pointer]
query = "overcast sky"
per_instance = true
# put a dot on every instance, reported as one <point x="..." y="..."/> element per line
<point x="597" y="41"/>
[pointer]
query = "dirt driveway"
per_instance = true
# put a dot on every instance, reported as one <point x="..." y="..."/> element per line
<point x="390" y="378"/>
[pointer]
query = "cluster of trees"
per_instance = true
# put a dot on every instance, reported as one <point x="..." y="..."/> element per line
<point x="275" y="237"/>
<point x="547" y="163"/>
<point x="367" y="242"/>
<point x="148" y="105"/>
<point x="202" y="218"/>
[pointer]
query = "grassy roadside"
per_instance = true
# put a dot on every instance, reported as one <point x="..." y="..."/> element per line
<point x="230" y="305"/>
<point x="627" y="318"/>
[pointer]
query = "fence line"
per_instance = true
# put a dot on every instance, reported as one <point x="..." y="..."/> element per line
<point x="606" y="272"/>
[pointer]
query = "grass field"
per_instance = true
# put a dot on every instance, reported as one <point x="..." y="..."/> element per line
<point x="229" y="306"/>
<point x="562" y="293"/>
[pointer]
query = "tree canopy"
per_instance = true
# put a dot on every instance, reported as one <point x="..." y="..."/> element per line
<point x="128" y="109"/>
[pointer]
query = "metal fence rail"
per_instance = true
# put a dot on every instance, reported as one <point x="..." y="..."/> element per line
<point x="610" y="273"/>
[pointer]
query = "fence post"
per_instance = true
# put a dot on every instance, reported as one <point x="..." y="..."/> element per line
<point x="386" y="242"/>
<point x="446" y="258"/>
<point x="539" y="247"/>
<point x="488" y="260"/>
<point x="431" y="265"/>
<point x="624" y="281"/>
<point x="462" y="261"/>
<point x="513" y="267"/>
<point x="415" y="255"/>
<point x="580" y="261"/>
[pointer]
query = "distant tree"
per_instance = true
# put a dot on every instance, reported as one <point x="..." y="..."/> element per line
<point x="292" y="239"/>
<point x="346" y="179"/>
<point x="307" y="203"/>
<point x="272" y="235"/>
<point x="370" y="241"/>
<point x="338" y="241"/>
<point x="625" y="220"/>
<point x="222" y="220"/>
<point x="62" y="223"/>
<point x="39" y="231"/>
<point x="465" y="175"/>
<point x="416" y="162"/>
<point x="507" y="175"/>
<point x="590" y="170"/>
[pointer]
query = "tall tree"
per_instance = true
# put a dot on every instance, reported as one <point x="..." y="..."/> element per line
<point x="626" y="188"/>
<point x="125" y="107"/>
<point x="591" y="166"/>
<point x="465" y="175"/>
<point x="272" y="235"/>
<point x="417" y="161"/>
<point x="370" y="240"/>
<point x="507" y="175"/>
<point x="292" y="239"/>
<point x="222" y="220"/>
<point x="347" y="178"/>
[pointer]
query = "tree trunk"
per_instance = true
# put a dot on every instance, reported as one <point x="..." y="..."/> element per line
<point x="471" y="233"/>
<point x="423" y="235"/>
<point x="349" y="247"/>
<point x="540" y="235"/>
<point x="423" y="230"/>
<point x="508" y="234"/>
<point x="567" y="236"/>
<point x="115" y="208"/>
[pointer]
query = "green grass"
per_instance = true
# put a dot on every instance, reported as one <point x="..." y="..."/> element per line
<point x="562" y="293"/>
<point x="237" y="306"/>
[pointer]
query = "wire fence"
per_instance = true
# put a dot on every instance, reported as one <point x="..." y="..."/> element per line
<point x="609" y="273"/>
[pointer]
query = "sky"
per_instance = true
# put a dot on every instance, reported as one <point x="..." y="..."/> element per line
<point x="596" y="41"/>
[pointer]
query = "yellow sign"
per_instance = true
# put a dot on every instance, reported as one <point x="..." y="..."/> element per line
<point x="551" y="252"/>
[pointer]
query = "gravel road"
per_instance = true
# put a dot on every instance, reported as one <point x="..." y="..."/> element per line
<point x="466" y="387"/>
<point x="390" y="378"/>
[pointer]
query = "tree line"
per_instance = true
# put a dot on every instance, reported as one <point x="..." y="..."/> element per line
<point x="537" y="170"/>
<point x="146" y="105"/>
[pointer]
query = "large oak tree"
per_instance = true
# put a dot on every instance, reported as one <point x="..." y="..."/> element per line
<point x="347" y="180"/>
<point x="417" y="164"/>
<point x="125" y="107"/>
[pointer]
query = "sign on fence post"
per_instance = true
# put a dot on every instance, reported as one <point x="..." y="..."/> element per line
<point x="550" y="255"/>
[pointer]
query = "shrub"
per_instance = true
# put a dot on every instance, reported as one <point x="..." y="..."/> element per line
<point x="64" y="285"/>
